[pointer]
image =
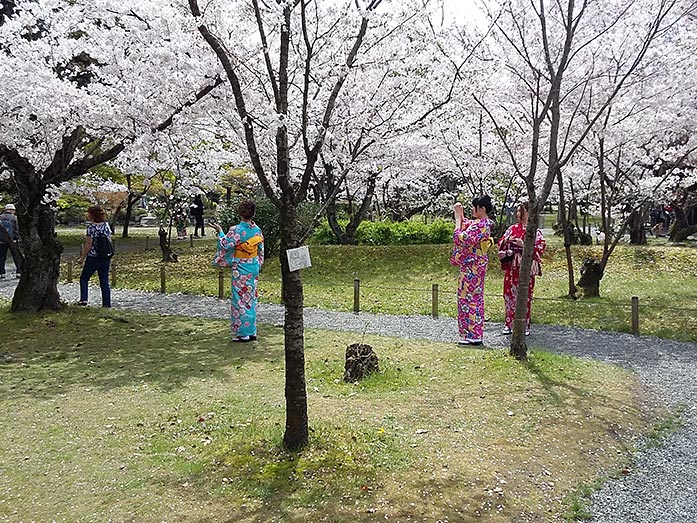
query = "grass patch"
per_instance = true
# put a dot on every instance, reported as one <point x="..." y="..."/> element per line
<point x="398" y="280"/>
<point x="128" y="417"/>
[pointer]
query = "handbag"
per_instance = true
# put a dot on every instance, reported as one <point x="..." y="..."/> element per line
<point x="506" y="255"/>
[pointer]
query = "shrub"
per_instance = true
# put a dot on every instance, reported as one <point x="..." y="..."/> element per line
<point x="391" y="233"/>
<point x="323" y="234"/>
<point x="71" y="209"/>
<point x="375" y="233"/>
<point x="442" y="231"/>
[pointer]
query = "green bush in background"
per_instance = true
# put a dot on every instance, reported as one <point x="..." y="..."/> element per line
<point x="391" y="233"/>
<point x="71" y="209"/>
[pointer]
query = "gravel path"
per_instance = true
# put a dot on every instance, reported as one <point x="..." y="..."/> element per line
<point x="663" y="485"/>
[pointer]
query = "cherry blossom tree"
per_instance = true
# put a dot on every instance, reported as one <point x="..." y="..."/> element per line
<point x="287" y="74"/>
<point x="80" y="83"/>
<point x="551" y="53"/>
<point x="643" y="145"/>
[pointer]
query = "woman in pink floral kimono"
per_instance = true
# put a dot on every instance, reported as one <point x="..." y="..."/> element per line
<point x="472" y="240"/>
<point x="512" y="242"/>
<point x="242" y="249"/>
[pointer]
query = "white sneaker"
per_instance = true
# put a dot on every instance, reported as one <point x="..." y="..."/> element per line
<point x="506" y="330"/>
<point x="527" y="332"/>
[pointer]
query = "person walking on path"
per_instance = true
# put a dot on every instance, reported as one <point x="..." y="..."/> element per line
<point x="510" y="254"/>
<point x="94" y="256"/>
<point x="197" y="213"/>
<point x="9" y="221"/>
<point x="472" y="240"/>
<point x="242" y="249"/>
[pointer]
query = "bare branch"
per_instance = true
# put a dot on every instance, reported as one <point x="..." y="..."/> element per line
<point x="224" y="58"/>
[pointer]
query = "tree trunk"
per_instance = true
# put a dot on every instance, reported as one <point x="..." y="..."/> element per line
<point x="168" y="255"/>
<point x="637" y="234"/>
<point x="680" y="235"/>
<point x="680" y="229"/>
<point x="591" y="274"/>
<point x="130" y="202"/>
<point x="519" y="348"/>
<point x="342" y="236"/>
<point x="567" y="236"/>
<point x="38" y="287"/>
<point x="296" y="432"/>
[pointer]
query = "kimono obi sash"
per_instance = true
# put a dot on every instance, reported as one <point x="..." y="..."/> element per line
<point x="248" y="249"/>
<point x="484" y="247"/>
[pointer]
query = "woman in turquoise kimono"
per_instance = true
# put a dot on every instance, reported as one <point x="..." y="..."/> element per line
<point x="242" y="249"/>
<point x="472" y="240"/>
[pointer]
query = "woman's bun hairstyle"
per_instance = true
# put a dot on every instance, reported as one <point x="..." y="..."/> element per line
<point x="483" y="201"/>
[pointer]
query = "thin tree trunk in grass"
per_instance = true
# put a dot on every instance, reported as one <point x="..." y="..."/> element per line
<point x="546" y="108"/>
<point x="637" y="234"/>
<point x="131" y="200"/>
<point x="567" y="236"/>
<point x="519" y="348"/>
<point x="127" y="218"/>
<point x="289" y="193"/>
<point x="296" y="432"/>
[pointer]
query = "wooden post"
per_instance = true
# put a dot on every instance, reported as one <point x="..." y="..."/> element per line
<point x="283" y="293"/>
<point x="113" y="274"/>
<point x="635" y="315"/>
<point x="191" y="240"/>
<point x="162" y="279"/>
<point x="147" y="243"/>
<point x="113" y="244"/>
<point x="434" y="300"/>
<point x="356" y="295"/>
<point x="221" y="284"/>
<point x="70" y="269"/>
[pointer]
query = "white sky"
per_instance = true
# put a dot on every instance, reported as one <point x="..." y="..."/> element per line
<point x="464" y="10"/>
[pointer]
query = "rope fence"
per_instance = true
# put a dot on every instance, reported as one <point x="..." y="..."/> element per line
<point x="434" y="294"/>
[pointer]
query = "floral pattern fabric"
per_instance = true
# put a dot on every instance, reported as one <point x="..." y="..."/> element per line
<point x="512" y="272"/>
<point x="471" y="244"/>
<point x="245" y="275"/>
<point x="94" y="230"/>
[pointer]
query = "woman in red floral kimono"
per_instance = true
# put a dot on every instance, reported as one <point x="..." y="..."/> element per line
<point x="512" y="241"/>
<point x="472" y="240"/>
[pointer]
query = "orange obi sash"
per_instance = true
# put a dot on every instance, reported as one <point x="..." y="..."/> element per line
<point x="248" y="249"/>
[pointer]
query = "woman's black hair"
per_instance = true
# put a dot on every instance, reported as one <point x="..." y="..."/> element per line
<point x="483" y="201"/>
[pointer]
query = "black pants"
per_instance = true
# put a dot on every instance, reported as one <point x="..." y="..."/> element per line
<point x="199" y="223"/>
<point x="3" y="258"/>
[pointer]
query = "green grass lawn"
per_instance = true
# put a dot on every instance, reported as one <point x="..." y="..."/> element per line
<point x="169" y="421"/>
<point x="398" y="280"/>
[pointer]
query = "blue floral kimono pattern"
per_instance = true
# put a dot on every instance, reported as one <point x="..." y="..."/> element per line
<point x="245" y="262"/>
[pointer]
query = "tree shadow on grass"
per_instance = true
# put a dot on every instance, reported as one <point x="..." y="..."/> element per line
<point x="586" y="409"/>
<point x="48" y="354"/>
